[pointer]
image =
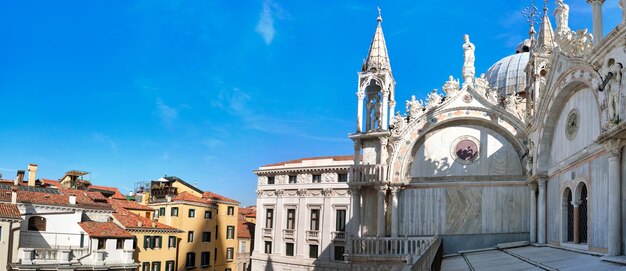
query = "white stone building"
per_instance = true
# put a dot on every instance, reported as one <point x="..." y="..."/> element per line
<point x="530" y="151"/>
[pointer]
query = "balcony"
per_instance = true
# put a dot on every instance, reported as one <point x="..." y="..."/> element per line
<point x="267" y="232"/>
<point x="289" y="233"/>
<point x="390" y="246"/>
<point x="312" y="235"/>
<point x="368" y="173"/>
<point x="338" y="235"/>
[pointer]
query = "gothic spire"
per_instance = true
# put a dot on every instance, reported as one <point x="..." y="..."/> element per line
<point x="377" y="57"/>
<point x="545" y="38"/>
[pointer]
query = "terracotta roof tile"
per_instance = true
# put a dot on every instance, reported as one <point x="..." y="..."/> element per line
<point x="248" y="212"/>
<point x="218" y="197"/>
<point x="84" y="199"/>
<point x="132" y="220"/>
<point x="130" y="205"/>
<point x="186" y="196"/>
<point x="245" y="229"/>
<point x="104" y="230"/>
<point x="53" y="183"/>
<point x="9" y="211"/>
<point x="116" y="192"/>
<point x="335" y="158"/>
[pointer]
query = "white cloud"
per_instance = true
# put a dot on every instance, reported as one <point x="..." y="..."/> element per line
<point x="102" y="138"/>
<point x="265" y="26"/>
<point x="166" y="113"/>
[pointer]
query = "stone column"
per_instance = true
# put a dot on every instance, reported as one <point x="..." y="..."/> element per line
<point x="359" y="112"/>
<point x="614" y="150"/>
<point x="356" y="212"/>
<point x="384" y="116"/>
<point x="622" y="5"/>
<point x="541" y="217"/>
<point x="392" y="112"/>
<point x="533" y="212"/>
<point x="576" y="220"/>
<point x="596" y="6"/>
<point x="380" y="222"/>
<point x="394" y="210"/>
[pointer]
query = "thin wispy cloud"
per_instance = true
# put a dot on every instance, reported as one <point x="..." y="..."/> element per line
<point x="104" y="139"/>
<point x="265" y="26"/>
<point x="167" y="113"/>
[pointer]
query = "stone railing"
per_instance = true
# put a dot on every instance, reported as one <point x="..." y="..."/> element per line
<point x="389" y="246"/>
<point x="368" y="173"/>
<point x="289" y="233"/>
<point x="338" y="235"/>
<point x="267" y="232"/>
<point x="312" y="235"/>
<point x="51" y="255"/>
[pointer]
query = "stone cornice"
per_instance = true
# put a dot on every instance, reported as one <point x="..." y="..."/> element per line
<point x="264" y="172"/>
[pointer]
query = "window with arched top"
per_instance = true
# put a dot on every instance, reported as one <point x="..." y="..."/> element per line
<point x="36" y="223"/>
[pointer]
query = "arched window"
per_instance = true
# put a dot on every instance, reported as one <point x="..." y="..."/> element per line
<point x="36" y="223"/>
<point x="570" y="215"/>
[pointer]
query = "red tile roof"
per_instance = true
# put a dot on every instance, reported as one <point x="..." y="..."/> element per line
<point x="335" y="158"/>
<point x="130" y="205"/>
<point x="186" y="196"/>
<point x="248" y="212"/>
<point x="84" y="199"/>
<point x="245" y="229"/>
<point x="49" y="183"/>
<point x="104" y="230"/>
<point x="116" y="192"/>
<point x="131" y="220"/>
<point x="217" y="197"/>
<point x="9" y="211"/>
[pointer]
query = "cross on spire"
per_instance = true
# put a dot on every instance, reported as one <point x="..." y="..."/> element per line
<point x="380" y="18"/>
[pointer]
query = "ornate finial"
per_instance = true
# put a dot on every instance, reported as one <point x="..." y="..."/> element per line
<point x="545" y="6"/>
<point x="380" y="18"/>
<point x="530" y="13"/>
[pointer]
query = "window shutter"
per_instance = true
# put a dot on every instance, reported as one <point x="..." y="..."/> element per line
<point x="146" y="242"/>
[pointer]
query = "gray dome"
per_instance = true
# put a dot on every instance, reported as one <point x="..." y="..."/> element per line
<point x="507" y="76"/>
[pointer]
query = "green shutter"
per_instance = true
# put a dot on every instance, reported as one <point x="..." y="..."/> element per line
<point x="146" y="242"/>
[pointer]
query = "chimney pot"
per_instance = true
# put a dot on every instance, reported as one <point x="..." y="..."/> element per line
<point x="14" y="195"/>
<point x="32" y="174"/>
<point x="72" y="199"/>
<point x="153" y="224"/>
<point x="20" y="177"/>
<point x="139" y="224"/>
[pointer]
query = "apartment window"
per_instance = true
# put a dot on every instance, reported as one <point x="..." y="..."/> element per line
<point x="289" y="249"/>
<point x="190" y="236"/>
<point x="119" y="244"/>
<point x="270" y="180"/>
<point x="174" y="211"/>
<point x="208" y="214"/>
<point x="230" y="232"/>
<point x="230" y="253"/>
<point x="205" y="259"/>
<point x="317" y="178"/>
<point x="162" y="211"/>
<point x="231" y="210"/>
<point x="293" y="179"/>
<point x="340" y="220"/>
<point x="315" y="219"/>
<point x="102" y="243"/>
<point x="36" y="223"/>
<point x="190" y="261"/>
<point x="171" y="241"/>
<point x="158" y="240"/>
<point x="313" y="251"/>
<point x="145" y="266"/>
<point x="192" y="212"/>
<point x="206" y="236"/>
<point x="339" y="250"/>
<point x="242" y="246"/>
<point x="147" y="241"/>
<point x="156" y="266"/>
<point x="229" y="269"/>
<point x="169" y="266"/>
<point x="343" y="178"/>
<point x="215" y="253"/>
<point x="291" y="219"/>
<point x="269" y="218"/>
<point x="268" y="247"/>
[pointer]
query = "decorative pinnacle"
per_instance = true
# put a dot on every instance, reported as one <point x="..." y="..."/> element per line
<point x="380" y="18"/>
<point x="545" y="6"/>
<point x="530" y="13"/>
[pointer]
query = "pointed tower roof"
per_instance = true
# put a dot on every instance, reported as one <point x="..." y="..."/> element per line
<point x="377" y="57"/>
<point x="545" y="38"/>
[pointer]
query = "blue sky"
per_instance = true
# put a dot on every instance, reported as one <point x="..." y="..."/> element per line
<point x="210" y="90"/>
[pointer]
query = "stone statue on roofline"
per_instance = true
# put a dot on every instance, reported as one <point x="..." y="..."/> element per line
<point x="433" y="99"/>
<point x="414" y="108"/>
<point x="562" y="17"/>
<point x="468" y="64"/>
<point x="613" y="93"/>
<point x="451" y="86"/>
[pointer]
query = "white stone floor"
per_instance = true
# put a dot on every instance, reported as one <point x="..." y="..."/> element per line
<point x="527" y="258"/>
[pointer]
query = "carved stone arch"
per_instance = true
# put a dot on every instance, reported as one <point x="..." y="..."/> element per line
<point x="366" y="82"/>
<point x="406" y="146"/>
<point x="567" y="215"/>
<point x="553" y="103"/>
<point x="578" y="186"/>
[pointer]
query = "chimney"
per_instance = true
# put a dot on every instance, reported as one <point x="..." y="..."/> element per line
<point x="72" y="199"/>
<point x="14" y="195"/>
<point x="153" y="224"/>
<point x="20" y="177"/>
<point x="139" y="223"/>
<point x="32" y="172"/>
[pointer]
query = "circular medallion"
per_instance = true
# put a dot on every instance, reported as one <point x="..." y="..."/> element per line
<point x="467" y="98"/>
<point x="573" y="122"/>
<point x="465" y="149"/>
